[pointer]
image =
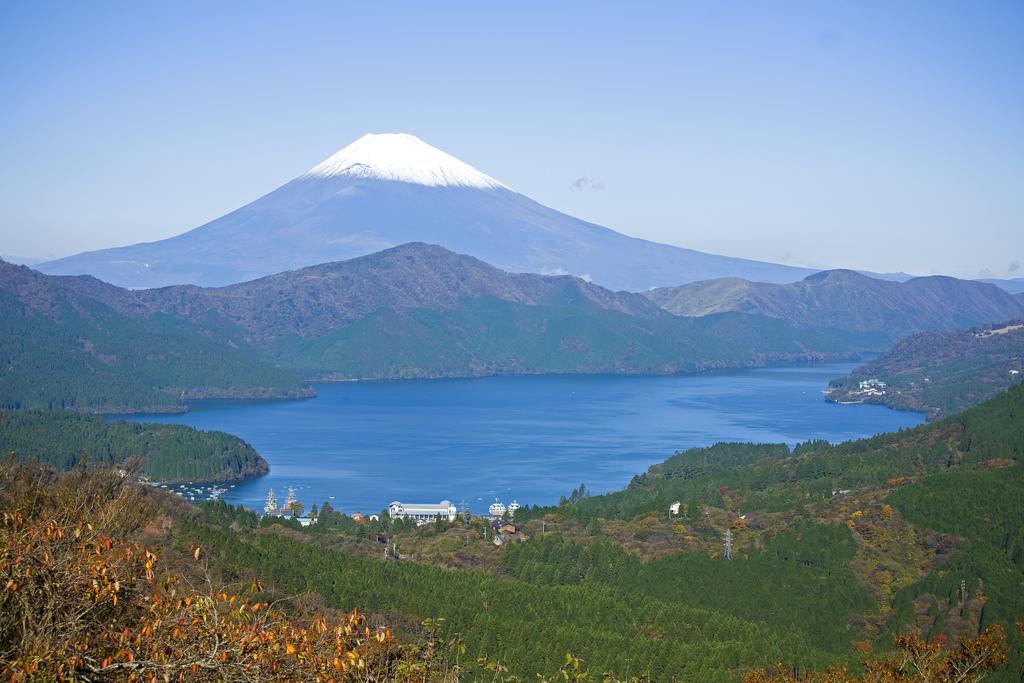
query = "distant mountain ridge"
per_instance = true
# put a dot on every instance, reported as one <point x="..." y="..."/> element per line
<point x="415" y="310"/>
<point x="1012" y="285"/>
<point x="320" y="299"/>
<point x="846" y="300"/>
<point x="386" y="190"/>
<point x="420" y="310"/>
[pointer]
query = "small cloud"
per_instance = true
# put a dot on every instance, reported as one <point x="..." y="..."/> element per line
<point x="558" y="271"/>
<point x="1013" y="267"/>
<point x="554" y="271"/>
<point x="586" y="182"/>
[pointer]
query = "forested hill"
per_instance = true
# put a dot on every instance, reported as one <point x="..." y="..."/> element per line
<point x="843" y="299"/>
<point x="939" y="373"/>
<point x="162" y="453"/>
<point x="417" y="310"/>
<point x="412" y="311"/>
<point x="320" y="299"/>
<point x="913" y="514"/>
<point x="63" y="347"/>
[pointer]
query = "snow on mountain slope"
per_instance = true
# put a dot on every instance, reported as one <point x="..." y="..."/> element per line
<point x="385" y="190"/>
<point x="403" y="158"/>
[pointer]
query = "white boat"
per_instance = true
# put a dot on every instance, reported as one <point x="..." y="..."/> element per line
<point x="496" y="509"/>
<point x="512" y="507"/>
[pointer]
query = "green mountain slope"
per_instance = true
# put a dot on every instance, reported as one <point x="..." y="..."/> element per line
<point x="525" y="625"/>
<point x="489" y="336"/>
<point x="935" y="516"/>
<point x="60" y="348"/>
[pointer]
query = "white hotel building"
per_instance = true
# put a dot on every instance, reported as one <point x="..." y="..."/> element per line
<point x="423" y="512"/>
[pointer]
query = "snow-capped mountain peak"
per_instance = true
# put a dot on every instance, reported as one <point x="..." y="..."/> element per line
<point x="385" y="190"/>
<point x="404" y="158"/>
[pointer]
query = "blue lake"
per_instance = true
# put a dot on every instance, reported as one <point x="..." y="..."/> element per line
<point x="363" y="444"/>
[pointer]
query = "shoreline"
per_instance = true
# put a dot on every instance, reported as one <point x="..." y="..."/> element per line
<point x="802" y="360"/>
<point x="810" y="359"/>
<point x="211" y="482"/>
<point x="189" y="401"/>
<point x="929" y="414"/>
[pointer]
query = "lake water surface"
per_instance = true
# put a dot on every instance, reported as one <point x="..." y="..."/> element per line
<point x="363" y="444"/>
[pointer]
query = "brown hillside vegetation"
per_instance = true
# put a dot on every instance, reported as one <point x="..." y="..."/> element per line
<point x="917" y="660"/>
<point x="85" y="598"/>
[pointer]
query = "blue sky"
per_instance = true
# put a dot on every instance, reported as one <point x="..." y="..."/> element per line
<point x="876" y="135"/>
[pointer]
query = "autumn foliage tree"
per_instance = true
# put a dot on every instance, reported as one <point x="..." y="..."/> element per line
<point x="80" y="600"/>
<point x="914" y="661"/>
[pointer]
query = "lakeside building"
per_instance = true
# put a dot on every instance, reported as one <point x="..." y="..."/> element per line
<point x="423" y="513"/>
<point x="872" y="387"/>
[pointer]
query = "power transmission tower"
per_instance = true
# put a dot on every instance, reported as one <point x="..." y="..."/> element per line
<point x="728" y="544"/>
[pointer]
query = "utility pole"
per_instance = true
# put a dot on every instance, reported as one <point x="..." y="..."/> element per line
<point x="728" y="544"/>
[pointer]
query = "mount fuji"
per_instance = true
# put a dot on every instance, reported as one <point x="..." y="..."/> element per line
<point x="385" y="190"/>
